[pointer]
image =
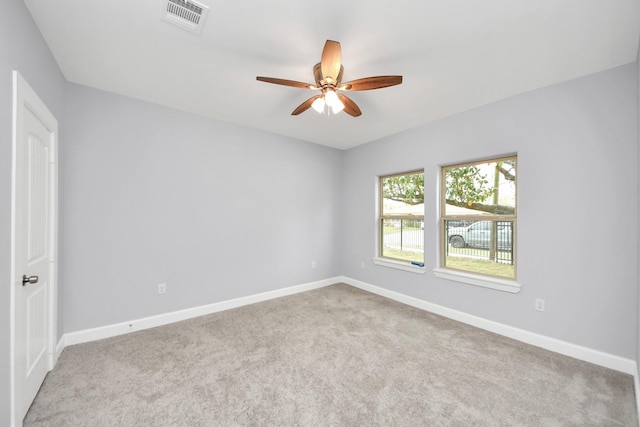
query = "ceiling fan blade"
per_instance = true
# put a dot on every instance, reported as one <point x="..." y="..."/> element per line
<point x="350" y="107"/>
<point x="369" y="83"/>
<point x="331" y="60"/>
<point x="340" y="76"/>
<point x="285" y="82"/>
<point x="305" y="105"/>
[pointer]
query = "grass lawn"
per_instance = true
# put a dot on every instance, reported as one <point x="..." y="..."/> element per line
<point x="403" y="255"/>
<point x="389" y="229"/>
<point x="481" y="266"/>
<point x="466" y="259"/>
<point x="467" y="264"/>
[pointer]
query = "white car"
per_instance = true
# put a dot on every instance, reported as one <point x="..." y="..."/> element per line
<point x="478" y="235"/>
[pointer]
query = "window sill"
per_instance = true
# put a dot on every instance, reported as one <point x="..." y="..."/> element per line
<point x="400" y="265"/>
<point x="505" y="285"/>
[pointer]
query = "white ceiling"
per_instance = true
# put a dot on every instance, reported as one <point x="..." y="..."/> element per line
<point x="454" y="55"/>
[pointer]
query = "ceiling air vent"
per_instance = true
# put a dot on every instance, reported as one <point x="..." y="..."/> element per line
<point x="187" y="14"/>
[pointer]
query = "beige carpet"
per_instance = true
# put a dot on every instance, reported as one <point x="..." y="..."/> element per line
<point x="335" y="356"/>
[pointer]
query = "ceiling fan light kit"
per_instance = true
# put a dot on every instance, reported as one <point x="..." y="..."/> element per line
<point x="328" y="99"/>
<point x="328" y="77"/>
<point x="318" y="104"/>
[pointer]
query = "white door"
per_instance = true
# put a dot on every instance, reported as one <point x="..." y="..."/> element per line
<point x="34" y="245"/>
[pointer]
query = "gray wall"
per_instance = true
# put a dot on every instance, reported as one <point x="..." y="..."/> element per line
<point x="216" y="211"/>
<point x="22" y="49"/>
<point x="577" y="147"/>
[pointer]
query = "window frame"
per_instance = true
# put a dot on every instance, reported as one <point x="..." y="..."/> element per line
<point x="389" y="261"/>
<point x="476" y="278"/>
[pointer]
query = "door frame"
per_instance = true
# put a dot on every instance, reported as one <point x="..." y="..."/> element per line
<point x="25" y="98"/>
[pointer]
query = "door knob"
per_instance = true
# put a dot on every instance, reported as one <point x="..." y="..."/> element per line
<point x="30" y="279"/>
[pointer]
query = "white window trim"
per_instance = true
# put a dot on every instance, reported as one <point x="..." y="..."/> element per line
<point x="400" y="265"/>
<point x="490" y="282"/>
<point x="378" y="259"/>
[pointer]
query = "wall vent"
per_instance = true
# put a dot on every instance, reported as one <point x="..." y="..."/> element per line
<point x="187" y="14"/>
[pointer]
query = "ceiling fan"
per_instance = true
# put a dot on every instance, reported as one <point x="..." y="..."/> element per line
<point x="328" y="76"/>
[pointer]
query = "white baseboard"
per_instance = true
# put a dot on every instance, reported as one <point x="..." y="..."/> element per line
<point x="610" y="361"/>
<point x="597" y="357"/>
<point x="109" y="331"/>
<point x="61" y="345"/>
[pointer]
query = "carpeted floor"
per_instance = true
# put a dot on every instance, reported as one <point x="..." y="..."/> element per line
<point x="334" y="356"/>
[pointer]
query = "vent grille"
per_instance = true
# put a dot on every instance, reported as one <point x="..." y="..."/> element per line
<point x="185" y="10"/>
<point x="187" y="14"/>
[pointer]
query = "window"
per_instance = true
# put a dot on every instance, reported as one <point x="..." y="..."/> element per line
<point x="478" y="223"/>
<point x="402" y="217"/>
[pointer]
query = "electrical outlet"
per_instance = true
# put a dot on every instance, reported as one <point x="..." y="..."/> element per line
<point x="162" y="288"/>
<point x="539" y="304"/>
<point x="313" y="264"/>
<point x="361" y="264"/>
